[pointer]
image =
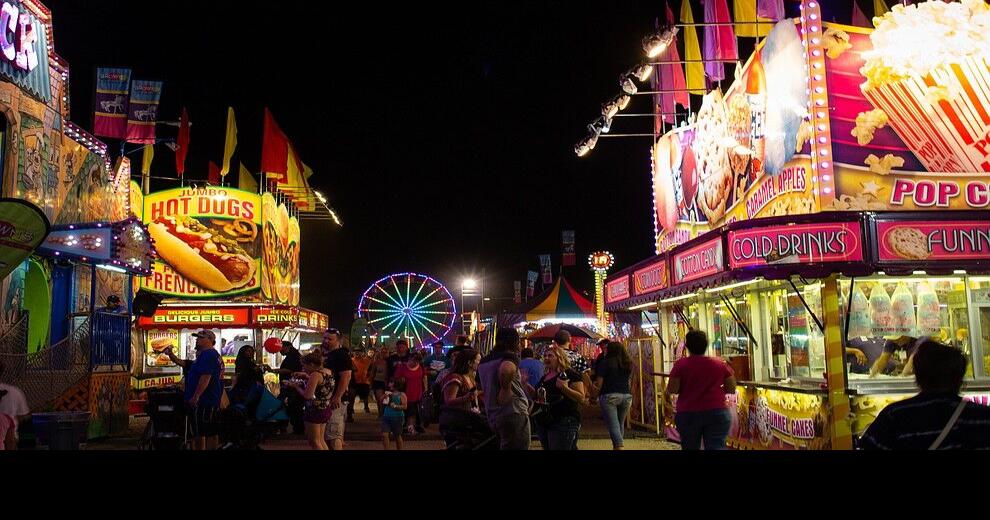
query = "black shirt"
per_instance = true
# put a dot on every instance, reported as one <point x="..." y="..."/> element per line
<point x="915" y="423"/>
<point x="339" y="360"/>
<point x="561" y="405"/>
<point x="292" y="361"/>
<point x="393" y="362"/>
<point x="615" y="379"/>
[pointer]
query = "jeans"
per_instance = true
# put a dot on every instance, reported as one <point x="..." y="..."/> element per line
<point x="561" y="435"/>
<point x="512" y="431"/>
<point x="615" y="408"/>
<point x="712" y="426"/>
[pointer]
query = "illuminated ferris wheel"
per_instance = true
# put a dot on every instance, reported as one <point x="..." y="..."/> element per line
<point x="409" y="305"/>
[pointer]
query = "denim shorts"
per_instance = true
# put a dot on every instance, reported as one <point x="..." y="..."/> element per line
<point x="393" y="425"/>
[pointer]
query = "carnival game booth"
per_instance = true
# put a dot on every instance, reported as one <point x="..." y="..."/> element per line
<point x="819" y="212"/>
<point x="561" y="303"/>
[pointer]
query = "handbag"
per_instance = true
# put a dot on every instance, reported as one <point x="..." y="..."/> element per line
<point x="948" y="425"/>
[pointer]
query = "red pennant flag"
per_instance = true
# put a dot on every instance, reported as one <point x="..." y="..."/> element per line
<point x="274" y="150"/>
<point x="672" y="78"/>
<point x="182" y="144"/>
<point x="214" y="174"/>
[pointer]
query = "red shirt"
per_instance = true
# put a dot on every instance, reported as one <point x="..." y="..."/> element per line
<point x="414" y="381"/>
<point x="701" y="383"/>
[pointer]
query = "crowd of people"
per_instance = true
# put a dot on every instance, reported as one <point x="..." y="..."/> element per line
<point x="509" y="397"/>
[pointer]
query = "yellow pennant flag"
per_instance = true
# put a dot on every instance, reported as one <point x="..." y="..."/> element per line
<point x="879" y="8"/>
<point x="149" y="155"/>
<point x="230" y="143"/>
<point x="245" y="180"/>
<point x="307" y="171"/>
<point x="694" y="69"/>
<point x="744" y="11"/>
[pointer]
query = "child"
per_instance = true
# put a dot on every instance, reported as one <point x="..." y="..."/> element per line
<point x="394" y="415"/>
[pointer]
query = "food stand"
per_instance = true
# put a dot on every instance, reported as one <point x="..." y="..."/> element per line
<point x="851" y="219"/>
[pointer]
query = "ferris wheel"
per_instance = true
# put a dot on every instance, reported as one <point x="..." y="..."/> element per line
<point x="409" y="305"/>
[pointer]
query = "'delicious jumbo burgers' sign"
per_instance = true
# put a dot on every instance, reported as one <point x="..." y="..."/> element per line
<point x="208" y="242"/>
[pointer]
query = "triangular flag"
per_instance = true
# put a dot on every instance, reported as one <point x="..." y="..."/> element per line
<point x="858" y="17"/>
<point x="274" y="150"/>
<point x="879" y="8"/>
<point x="746" y="20"/>
<point x="671" y="78"/>
<point x="147" y="157"/>
<point x="307" y="171"/>
<point x="230" y="143"/>
<point x="182" y="144"/>
<point x="245" y="180"/>
<point x="214" y="174"/>
<point x="694" y="69"/>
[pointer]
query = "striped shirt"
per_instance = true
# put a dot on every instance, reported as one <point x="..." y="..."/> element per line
<point x="915" y="423"/>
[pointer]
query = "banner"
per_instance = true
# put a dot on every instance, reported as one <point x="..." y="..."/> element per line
<point x="517" y="291"/>
<point x="280" y="265"/>
<point x="617" y="289"/>
<point x="22" y="228"/>
<point x="699" y="261"/>
<point x="208" y="241"/>
<point x="110" y="107"/>
<point x="197" y="318"/>
<point x="142" y="114"/>
<point x="796" y="243"/>
<point x="569" y="256"/>
<point x="545" y="267"/>
<point x="531" y="283"/>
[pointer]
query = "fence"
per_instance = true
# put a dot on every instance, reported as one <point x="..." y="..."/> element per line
<point x="111" y="349"/>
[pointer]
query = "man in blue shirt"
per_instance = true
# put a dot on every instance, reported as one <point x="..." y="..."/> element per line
<point x="530" y="368"/>
<point x="204" y="388"/>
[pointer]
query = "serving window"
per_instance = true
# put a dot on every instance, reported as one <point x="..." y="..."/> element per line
<point x="884" y="316"/>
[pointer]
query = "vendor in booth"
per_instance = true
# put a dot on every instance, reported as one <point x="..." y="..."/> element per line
<point x="907" y="344"/>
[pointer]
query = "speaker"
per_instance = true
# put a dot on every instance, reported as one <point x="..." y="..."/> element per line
<point x="146" y="303"/>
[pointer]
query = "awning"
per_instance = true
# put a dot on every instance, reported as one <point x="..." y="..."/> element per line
<point x="121" y="246"/>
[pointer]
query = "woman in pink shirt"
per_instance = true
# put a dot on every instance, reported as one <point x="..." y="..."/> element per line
<point x="701" y="383"/>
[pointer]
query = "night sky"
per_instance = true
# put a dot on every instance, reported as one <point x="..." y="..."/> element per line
<point x="442" y="136"/>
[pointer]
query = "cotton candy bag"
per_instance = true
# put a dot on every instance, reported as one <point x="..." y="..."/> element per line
<point x="902" y="308"/>
<point x="859" y="314"/>
<point x="881" y="318"/>
<point x="929" y="320"/>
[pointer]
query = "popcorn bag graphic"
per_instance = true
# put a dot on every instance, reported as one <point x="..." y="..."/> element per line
<point x="928" y="71"/>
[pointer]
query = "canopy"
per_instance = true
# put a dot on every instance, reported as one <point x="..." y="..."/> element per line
<point x="561" y="302"/>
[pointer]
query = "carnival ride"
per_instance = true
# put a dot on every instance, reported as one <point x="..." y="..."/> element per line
<point x="409" y="305"/>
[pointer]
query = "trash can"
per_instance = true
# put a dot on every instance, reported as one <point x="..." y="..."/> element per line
<point x="60" y="430"/>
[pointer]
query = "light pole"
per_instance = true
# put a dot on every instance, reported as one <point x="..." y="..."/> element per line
<point x="468" y="286"/>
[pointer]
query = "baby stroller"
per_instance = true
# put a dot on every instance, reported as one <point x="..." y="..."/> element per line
<point x="464" y="430"/>
<point x="168" y="428"/>
<point x="248" y="422"/>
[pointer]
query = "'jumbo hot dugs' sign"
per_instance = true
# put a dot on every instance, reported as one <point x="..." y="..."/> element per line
<point x="699" y="261"/>
<point x="796" y="243"/>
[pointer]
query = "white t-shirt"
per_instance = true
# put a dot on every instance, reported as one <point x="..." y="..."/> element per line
<point x="14" y="403"/>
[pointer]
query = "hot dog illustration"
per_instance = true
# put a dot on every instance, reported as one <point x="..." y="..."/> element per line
<point x="201" y="254"/>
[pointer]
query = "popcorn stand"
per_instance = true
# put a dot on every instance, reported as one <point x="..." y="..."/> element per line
<point x="814" y="224"/>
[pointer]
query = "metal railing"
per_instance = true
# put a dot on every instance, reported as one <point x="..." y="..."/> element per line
<point x="111" y="348"/>
<point x="44" y="375"/>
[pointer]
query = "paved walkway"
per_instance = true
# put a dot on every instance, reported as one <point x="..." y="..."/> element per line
<point x="363" y="434"/>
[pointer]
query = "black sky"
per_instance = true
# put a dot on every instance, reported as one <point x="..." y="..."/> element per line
<point x="443" y="134"/>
